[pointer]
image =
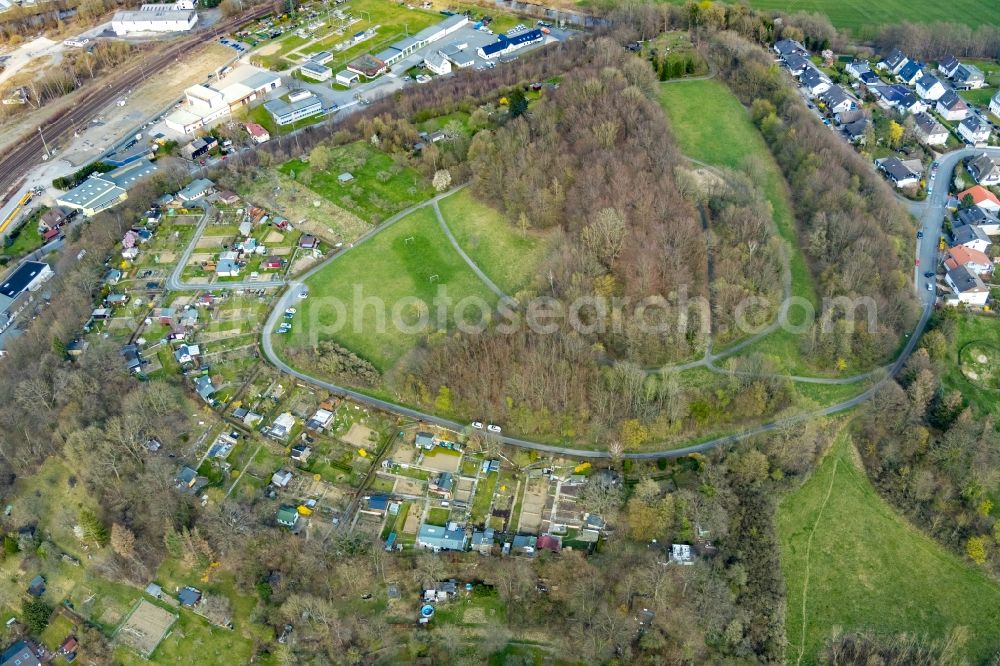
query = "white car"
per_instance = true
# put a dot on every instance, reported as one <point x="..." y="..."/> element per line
<point x="290" y="311"/>
<point x="303" y="294"/>
<point x="493" y="428"/>
<point x="478" y="425"/>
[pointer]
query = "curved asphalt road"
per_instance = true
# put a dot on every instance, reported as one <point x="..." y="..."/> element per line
<point x="930" y="214"/>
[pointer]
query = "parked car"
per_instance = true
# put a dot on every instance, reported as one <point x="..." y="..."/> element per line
<point x="478" y="425"/>
<point x="493" y="428"/>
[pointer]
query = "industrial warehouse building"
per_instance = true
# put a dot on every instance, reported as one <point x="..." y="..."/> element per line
<point x="176" y="17"/>
<point x="285" y="113"/>
<point x="28" y="277"/>
<point x="315" y="71"/>
<point x="103" y="190"/>
<point x="505" y="44"/>
<point x="206" y="104"/>
<point x="405" y="47"/>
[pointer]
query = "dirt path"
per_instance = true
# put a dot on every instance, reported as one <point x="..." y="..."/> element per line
<point x="805" y="581"/>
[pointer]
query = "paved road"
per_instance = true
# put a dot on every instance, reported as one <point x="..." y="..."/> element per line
<point x="931" y="216"/>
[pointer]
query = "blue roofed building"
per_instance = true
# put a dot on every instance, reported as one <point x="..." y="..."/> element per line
<point x="505" y="44"/>
<point x="482" y="542"/>
<point x="19" y="654"/>
<point x="436" y="538"/>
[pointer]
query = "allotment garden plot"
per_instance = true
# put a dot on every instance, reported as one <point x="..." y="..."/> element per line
<point x="377" y="187"/>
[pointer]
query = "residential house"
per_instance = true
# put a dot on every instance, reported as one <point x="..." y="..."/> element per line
<point x="947" y="65"/>
<point x="19" y="654"/>
<point x="165" y="316"/>
<point x="196" y="189"/>
<point x="282" y="426"/>
<point x="524" y="544"/>
<point x="911" y="104"/>
<point x="301" y="453"/>
<point x="113" y="277"/>
<point x="320" y="419"/>
<point x="424" y="440"/>
<point x="189" y="596"/>
<point x="815" y="82"/>
<point x="186" y="478"/>
<point x="133" y="361"/>
<point x="837" y="100"/>
<point x="287" y="516"/>
<point x="436" y="538"/>
<point x="869" y="79"/>
<point x="377" y="504"/>
<point x="308" y="242"/>
<point x="987" y="221"/>
<point x="855" y="130"/>
<point x="930" y="130"/>
<point x="442" y="484"/>
<point x="482" y="542"/>
<point x="115" y="300"/>
<point x="974" y="261"/>
<point x="787" y="47"/>
<point x="257" y="133"/>
<point x="203" y="385"/>
<point x="36" y="587"/>
<point x="929" y="87"/>
<point x="970" y="236"/>
<point x="549" y="542"/>
<point x="437" y="64"/>
<point x="440" y="591"/>
<point x="952" y="107"/>
<point x="899" y="172"/>
<point x="968" y="77"/>
<point x="995" y="105"/>
<point x="227" y="268"/>
<point x="984" y="169"/>
<point x="281" y="478"/>
<point x="856" y="68"/>
<point x="910" y="72"/>
<point x="974" y="130"/>
<point x="53" y="218"/>
<point x="154" y="591"/>
<point x="968" y="288"/>
<point x="797" y="64"/>
<point x="186" y="354"/>
<point x="893" y="62"/>
<point x="982" y="197"/>
<point x="228" y="198"/>
<point x="681" y="553"/>
<point x="273" y="263"/>
<point x="200" y="147"/>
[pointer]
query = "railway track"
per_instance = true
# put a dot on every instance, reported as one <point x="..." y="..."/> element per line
<point x="29" y="151"/>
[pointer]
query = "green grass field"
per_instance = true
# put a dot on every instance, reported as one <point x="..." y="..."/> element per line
<point x="397" y="268"/>
<point x="500" y="250"/>
<point x="969" y="329"/>
<point x="862" y="17"/>
<point x="851" y="561"/>
<point x="380" y="186"/>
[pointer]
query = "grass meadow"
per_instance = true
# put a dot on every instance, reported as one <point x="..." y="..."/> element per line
<point x="851" y="561"/>
<point x="403" y="266"/>
<point x="501" y="251"/>
<point x="863" y="17"/>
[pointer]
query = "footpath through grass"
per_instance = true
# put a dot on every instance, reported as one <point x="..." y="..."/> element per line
<point x="400" y="270"/>
<point x="509" y="257"/>
<point x="851" y="561"/>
